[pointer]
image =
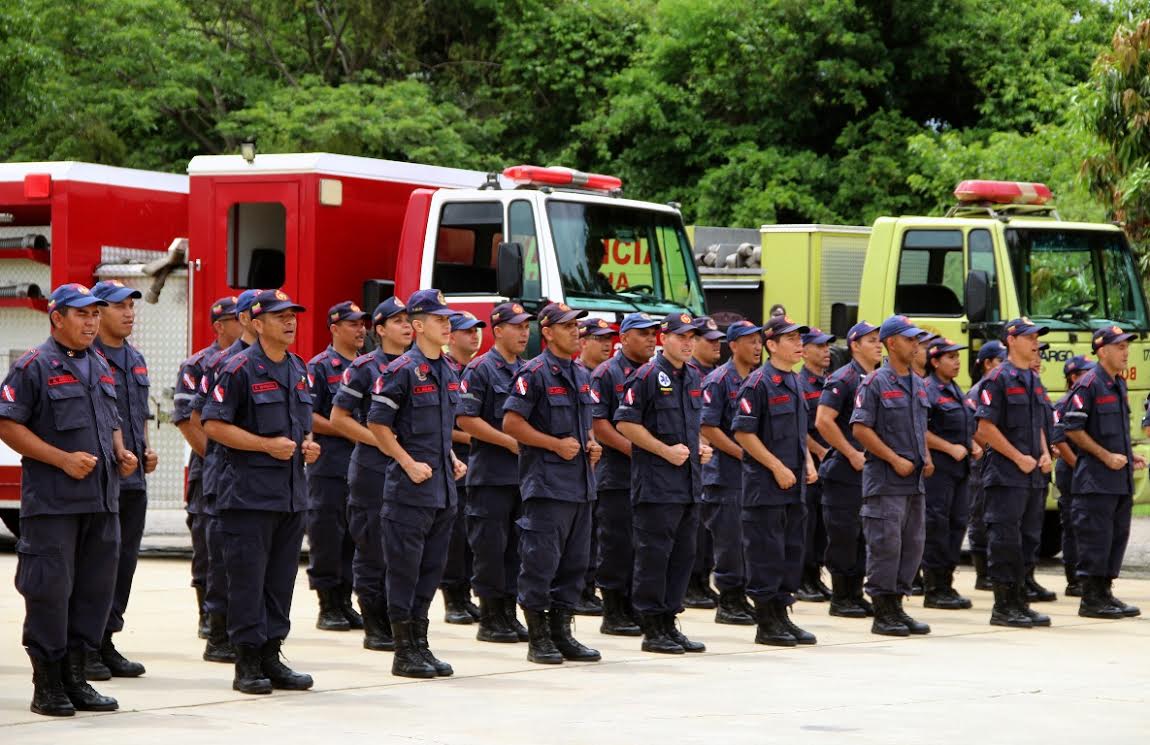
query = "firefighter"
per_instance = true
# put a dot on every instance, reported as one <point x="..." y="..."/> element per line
<point x="615" y="560"/>
<point x="227" y="328"/>
<point x="412" y="418"/>
<point x="548" y="412"/>
<point x="1097" y="421"/>
<point x="705" y="358"/>
<point x="990" y="355"/>
<point x="1073" y="369"/>
<point x="58" y="410"/>
<point x="812" y="378"/>
<point x="330" y="547"/>
<point x="260" y="410"/>
<point x="660" y="415"/>
<point x="1012" y="416"/>
<point x="367" y="470"/>
<point x="890" y="422"/>
<point x="493" y="475"/>
<point x="723" y="475"/>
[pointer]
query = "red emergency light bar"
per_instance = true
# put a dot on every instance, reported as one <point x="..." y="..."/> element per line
<point x="557" y="176"/>
<point x="1003" y="192"/>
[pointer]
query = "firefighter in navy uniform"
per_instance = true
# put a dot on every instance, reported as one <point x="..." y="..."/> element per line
<point x="130" y="370"/>
<point x="1073" y="369"/>
<point x="58" y="411"/>
<point x="330" y="546"/>
<point x="412" y="418"/>
<point x="260" y="410"/>
<point x="615" y="561"/>
<point x="1097" y="421"/>
<point x="660" y="415"/>
<point x="1012" y="418"/>
<point x="227" y="328"/>
<point x="771" y="425"/>
<point x="548" y="412"/>
<point x="812" y="379"/>
<point x="723" y="475"/>
<point x="367" y="470"/>
<point x="990" y="355"/>
<point x="705" y="357"/>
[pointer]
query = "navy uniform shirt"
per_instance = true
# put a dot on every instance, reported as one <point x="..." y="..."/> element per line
<point x="214" y="452"/>
<point x="771" y="407"/>
<point x="68" y="400"/>
<point x="269" y="399"/>
<point x="325" y="374"/>
<point x="668" y="403"/>
<point x="1015" y="402"/>
<point x="418" y="400"/>
<point x="951" y="419"/>
<point x="1062" y="470"/>
<point x="131" y="373"/>
<point x="554" y="396"/>
<point x="486" y="383"/>
<point x="1099" y="407"/>
<point x="895" y="407"/>
<point x="362" y="379"/>
<point x="839" y="394"/>
<point x="812" y="386"/>
<point x="701" y="370"/>
<point x="461" y="450"/>
<point x="187" y="387"/>
<point x="608" y="382"/>
<point x="723" y="474"/>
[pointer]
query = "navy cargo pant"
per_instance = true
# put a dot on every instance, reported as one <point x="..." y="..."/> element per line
<point x="554" y="550"/>
<point x="261" y="551"/>
<point x="947" y="513"/>
<point x="773" y="540"/>
<point x="1102" y="526"/>
<point x="846" y="548"/>
<point x="895" y="532"/>
<point x="415" y="541"/>
<point x="815" y="542"/>
<point x="364" y="524"/>
<point x="133" y="511"/>
<point x="1063" y="476"/>
<point x="665" y="536"/>
<point x="216" y="588"/>
<point x="977" y="530"/>
<point x="459" y="566"/>
<point x="491" y="512"/>
<point x="330" y="547"/>
<point x="722" y="514"/>
<point x="704" y="553"/>
<point x="615" y="556"/>
<point x="198" y="529"/>
<point x="66" y="571"/>
<point x="1013" y="531"/>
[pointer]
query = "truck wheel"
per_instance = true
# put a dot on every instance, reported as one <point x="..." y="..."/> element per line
<point x="11" y="519"/>
<point x="1051" y="543"/>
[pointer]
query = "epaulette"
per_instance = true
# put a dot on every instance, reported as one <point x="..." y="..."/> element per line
<point x="318" y="358"/>
<point x="996" y="372"/>
<point x="754" y="378"/>
<point x="840" y="375"/>
<point x="717" y="375"/>
<point x="235" y="363"/>
<point x="363" y="359"/>
<point x="533" y="365"/>
<point x="645" y="370"/>
<point x="26" y="360"/>
<point x="399" y="363"/>
<point x="1087" y="379"/>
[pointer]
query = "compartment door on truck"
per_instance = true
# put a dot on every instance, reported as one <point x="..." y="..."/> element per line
<point x="256" y="235"/>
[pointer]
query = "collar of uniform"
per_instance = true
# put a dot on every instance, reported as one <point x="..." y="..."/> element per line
<point x="68" y="351"/>
<point x="858" y="368"/>
<point x="419" y="358"/>
<point x="629" y="365"/>
<point x="662" y="362"/>
<point x="1108" y="379"/>
<point x="733" y="371"/>
<point x="130" y="354"/>
<point x="813" y="374"/>
<point x="898" y="379"/>
<point x="332" y="352"/>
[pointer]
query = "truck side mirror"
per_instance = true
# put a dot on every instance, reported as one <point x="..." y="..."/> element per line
<point x="509" y="270"/>
<point x="977" y="296"/>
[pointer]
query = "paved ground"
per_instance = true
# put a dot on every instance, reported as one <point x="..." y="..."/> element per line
<point x="966" y="682"/>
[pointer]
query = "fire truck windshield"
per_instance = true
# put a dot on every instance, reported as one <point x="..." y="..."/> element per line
<point x="640" y="259"/>
<point x="1076" y="279"/>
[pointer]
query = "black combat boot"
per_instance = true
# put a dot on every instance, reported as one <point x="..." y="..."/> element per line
<point x="48" y="696"/>
<point x="939" y="593"/>
<point x="281" y="676"/>
<point x="218" y="648"/>
<point x="540" y="648"/>
<point x="964" y="603"/>
<point x="843" y="599"/>
<point x="819" y="584"/>
<point x="1129" y="611"/>
<point x="671" y="628"/>
<point x="331" y="616"/>
<point x="981" y="580"/>
<point x="857" y="584"/>
<point x="802" y="636"/>
<point x="1022" y="603"/>
<point x="354" y="619"/>
<point x="408" y="662"/>
<point x="202" y="630"/>
<point x="493" y="623"/>
<point x="82" y="695"/>
<point x="250" y="677"/>
<point x="376" y="626"/>
<point x="419" y="626"/>
<point x="1005" y="612"/>
<point x="509" y="615"/>
<point x="455" y="605"/>
<point x="1036" y="593"/>
<point x="1073" y="585"/>
<point x="120" y="666"/>
<point x="616" y="620"/>
<point x="699" y="593"/>
<point x="94" y="667"/>
<point x="808" y="591"/>
<point x="1094" y="603"/>
<point x="571" y="648"/>
<point x="771" y="631"/>
<point x="589" y="603"/>
<point x="655" y="637"/>
<point x="915" y="627"/>
<point x="887" y="621"/>
<point x="730" y="610"/>
<point x="917" y="588"/>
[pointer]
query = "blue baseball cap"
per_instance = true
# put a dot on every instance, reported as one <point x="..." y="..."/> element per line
<point x="991" y="350"/>
<point x="678" y="323"/>
<point x="859" y="330"/>
<point x="779" y="325"/>
<point x="428" y="301"/>
<point x="817" y="336"/>
<point x="637" y="321"/>
<point x="465" y="320"/>
<point x="73" y="295"/>
<point x="739" y="329"/>
<point x="386" y="309"/>
<point x="898" y="326"/>
<point x="223" y="308"/>
<point x="1077" y="364"/>
<point x="942" y="345"/>
<point x="553" y="313"/>
<point x="245" y="300"/>
<point x="114" y="291"/>
<point x="594" y="327"/>
<point x="709" y="330"/>
<point x="1025" y="327"/>
<point x="273" y="301"/>
<point x="513" y="313"/>
<point x="1109" y="335"/>
<point x="345" y="311"/>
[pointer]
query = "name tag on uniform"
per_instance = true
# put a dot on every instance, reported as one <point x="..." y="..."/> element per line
<point x="140" y="370"/>
<point x="264" y="387"/>
<point x="107" y="379"/>
<point x="557" y="390"/>
<point x="1015" y="391"/>
<point x="892" y="394"/>
<point x="776" y="400"/>
<point x="63" y="380"/>
<point x="1106" y="399"/>
<point x="422" y="389"/>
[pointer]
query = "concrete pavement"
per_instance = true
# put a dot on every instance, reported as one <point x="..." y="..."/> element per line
<point x="966" y="682"/>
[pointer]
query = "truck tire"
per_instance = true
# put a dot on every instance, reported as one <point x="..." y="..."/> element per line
<point x="11" y="519"/>
<point x="1051" y="543"/>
